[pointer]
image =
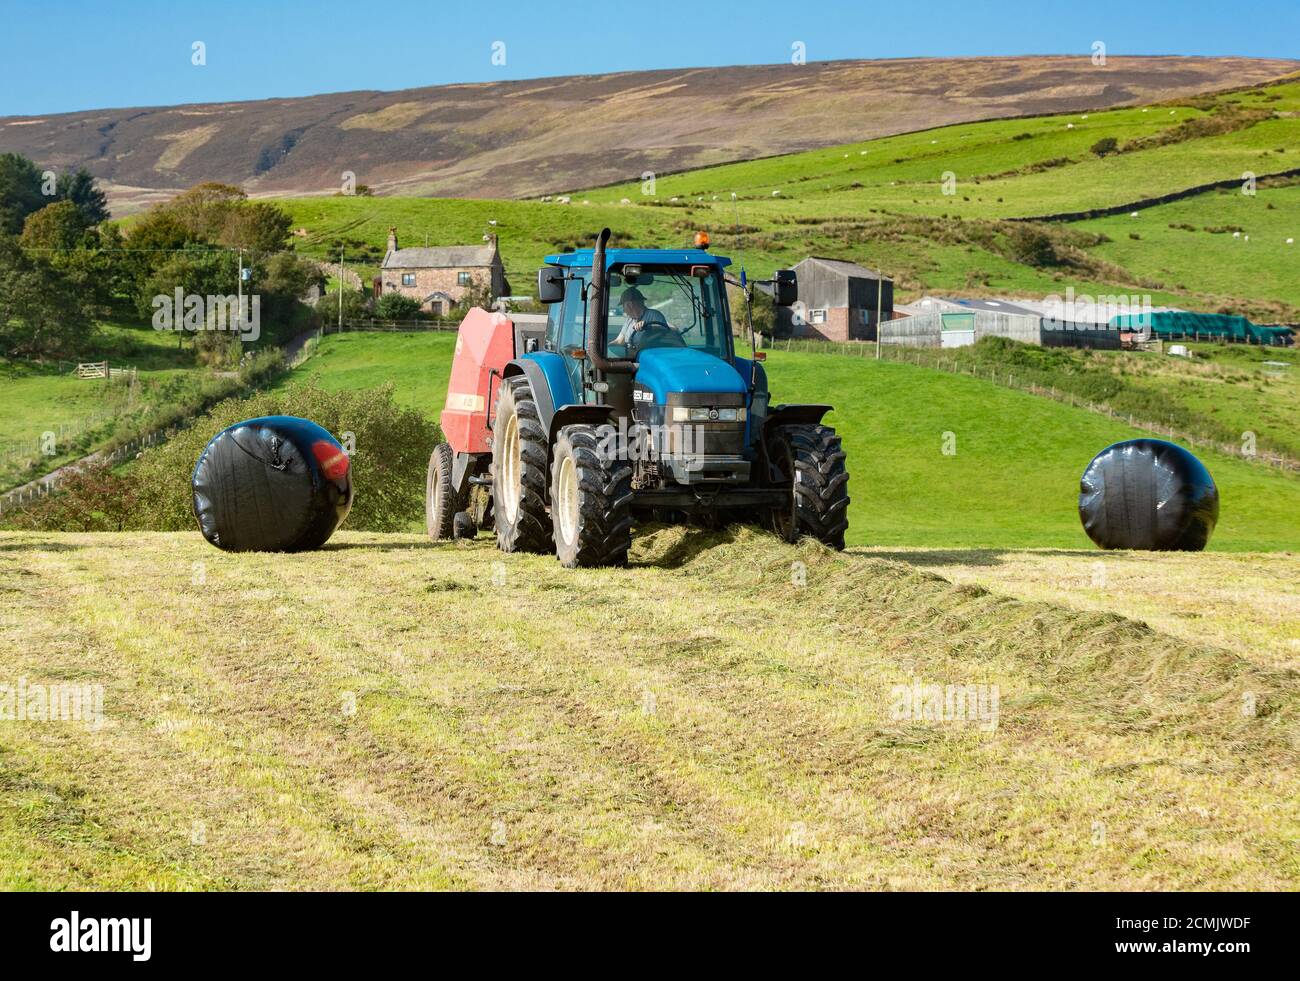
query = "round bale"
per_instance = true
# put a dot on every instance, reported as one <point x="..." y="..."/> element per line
<point x="271" y="484"/>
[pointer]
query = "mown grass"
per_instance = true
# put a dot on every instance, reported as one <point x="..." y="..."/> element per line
<point x="390" y="714"/>
<point x="1012" y="482"/>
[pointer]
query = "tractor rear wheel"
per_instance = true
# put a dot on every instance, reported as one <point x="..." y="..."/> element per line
<point x="591" y="501"/>
<point x="519" y="471"/>
<point x="441" y="502"/>
<point x="811" y="460"/>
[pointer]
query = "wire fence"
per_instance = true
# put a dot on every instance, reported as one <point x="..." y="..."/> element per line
<point x="374" y="324"/>
<point x="49" y="483"/>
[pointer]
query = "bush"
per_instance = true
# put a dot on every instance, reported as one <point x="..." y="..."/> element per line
<point x="92" y="498"/>
<point x="355" y="306"/>
<point x="391" y="452"/>
<point x="1033" y="246"/>
<point x="1106" y="145"/>
<point x="397" y="306"/>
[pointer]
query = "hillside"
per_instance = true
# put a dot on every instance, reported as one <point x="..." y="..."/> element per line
<point x="1012" y="483"/>
<point x="521" y="138"/>
<point x="881" y="202"/>
<point x="388" y="713"/>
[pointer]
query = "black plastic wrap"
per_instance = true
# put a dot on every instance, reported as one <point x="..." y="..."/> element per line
<point x="1148" y="494"/>
<point x="272" y="484"/>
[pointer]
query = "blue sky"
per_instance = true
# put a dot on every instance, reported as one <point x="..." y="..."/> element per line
<point x="61" y="56"/>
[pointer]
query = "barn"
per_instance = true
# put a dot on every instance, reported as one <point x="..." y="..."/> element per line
<point x="837" y="301"/>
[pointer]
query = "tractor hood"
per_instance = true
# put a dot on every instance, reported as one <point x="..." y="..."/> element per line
<point x="670" y="370"/>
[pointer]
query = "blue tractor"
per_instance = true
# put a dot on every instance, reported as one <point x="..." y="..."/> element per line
<point x="634" y="406"/>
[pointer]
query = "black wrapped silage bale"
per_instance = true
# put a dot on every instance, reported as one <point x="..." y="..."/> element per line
<point x="272" y="484"/>
<point x="1148" y="494"/>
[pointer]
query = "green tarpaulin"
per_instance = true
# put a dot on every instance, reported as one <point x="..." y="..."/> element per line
<point x="1178" y="324"/>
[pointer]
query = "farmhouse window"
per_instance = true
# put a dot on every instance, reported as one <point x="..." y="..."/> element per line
<point x="463" y="279"/>
<point x="408" y="279"/>
<point x="816" y="316"/>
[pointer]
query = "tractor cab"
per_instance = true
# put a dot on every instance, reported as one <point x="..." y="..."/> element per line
<point x="654" y="300"/>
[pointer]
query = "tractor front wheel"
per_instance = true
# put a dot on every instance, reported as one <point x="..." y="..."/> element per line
<point x="810" y="459"/>
<point x="441" y="502"/>
<point x="591" y="501"/>
<point x="519" y="470"/>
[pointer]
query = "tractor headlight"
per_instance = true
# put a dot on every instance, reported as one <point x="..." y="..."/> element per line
<point x="682" y="413"/>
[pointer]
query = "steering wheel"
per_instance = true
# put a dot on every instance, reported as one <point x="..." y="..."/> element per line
<point x="657" y="335"/>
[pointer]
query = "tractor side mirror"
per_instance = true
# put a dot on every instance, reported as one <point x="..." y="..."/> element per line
<point x="550" y="285"/>
<point x="785" y="288"/>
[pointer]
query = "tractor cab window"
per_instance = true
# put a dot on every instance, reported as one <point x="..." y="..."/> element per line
<point x="568" y="325"/>
<point x="665" y="306"/>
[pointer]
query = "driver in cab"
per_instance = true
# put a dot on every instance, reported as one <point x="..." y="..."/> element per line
<point x="643" y="327"/>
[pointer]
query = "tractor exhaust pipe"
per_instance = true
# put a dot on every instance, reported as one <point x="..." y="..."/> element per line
<point x="598" y="325"/>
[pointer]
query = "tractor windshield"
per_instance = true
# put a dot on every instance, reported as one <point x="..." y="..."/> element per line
<point x="668" y="307"/>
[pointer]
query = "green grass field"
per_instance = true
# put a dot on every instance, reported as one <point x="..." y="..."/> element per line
<point x="37" y="398"/>
<point x="1224" y="393"/>
<point x="882" y="203"/>
<point x="392" y="714"/>
<point x="1207" y="258"/>
<point x="1012" y="483"/>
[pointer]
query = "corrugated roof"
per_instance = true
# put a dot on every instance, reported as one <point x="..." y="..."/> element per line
<point x="844" y="267"/>
<point x="996" y="306"/>
<point x="444" y="257"/>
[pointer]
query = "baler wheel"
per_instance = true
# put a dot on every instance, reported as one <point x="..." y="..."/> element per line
<point x="591" y="501"/>
<point x="441" y="502"/>
<point x="811" y="459"/>
<point x="519" y="471"/>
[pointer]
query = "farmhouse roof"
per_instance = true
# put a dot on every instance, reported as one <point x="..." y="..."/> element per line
<point x="444" y="257"/>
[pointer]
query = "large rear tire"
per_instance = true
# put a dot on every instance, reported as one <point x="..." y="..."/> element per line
<point x="519" y="471"/>
<point x="441" y="502"/>
<point x="591" y="501"/>
<point x="811" y="459"/>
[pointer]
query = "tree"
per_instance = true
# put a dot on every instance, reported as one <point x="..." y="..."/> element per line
<point x="205" y="209"/>
<point x="354" y="305"/>
<point x="1106" y="145"/>
<point x="282" y="281"/>
<point x="258" y="227"/>
<point x="42" y="312"/>
<point x="80" y="189"/>
<point x="197" y="271"/>
<point x="56" y="227"/>
<point x="20" y="192"/>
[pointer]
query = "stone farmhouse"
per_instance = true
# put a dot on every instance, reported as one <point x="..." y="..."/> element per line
<point x="440" y="277"/>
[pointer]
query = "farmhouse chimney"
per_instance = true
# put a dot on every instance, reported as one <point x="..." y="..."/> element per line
<point x="392" y="239"/>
